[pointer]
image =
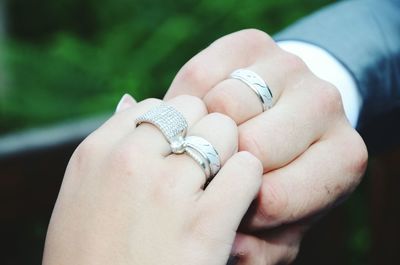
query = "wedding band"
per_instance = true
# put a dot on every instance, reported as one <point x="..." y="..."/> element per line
<point x="173" y="126"/>
<point x="170" y="122"/>
<point x="257" y="84"/>
<point x="204" y="154"/>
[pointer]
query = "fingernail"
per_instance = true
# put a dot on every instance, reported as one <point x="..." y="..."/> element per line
<point x="233" y="260"/>
<point x="125" y="102"/>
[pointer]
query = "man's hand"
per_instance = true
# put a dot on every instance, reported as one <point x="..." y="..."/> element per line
<point x="312" y="157"/>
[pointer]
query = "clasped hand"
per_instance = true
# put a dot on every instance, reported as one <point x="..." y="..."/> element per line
<point x="126" y="199"/>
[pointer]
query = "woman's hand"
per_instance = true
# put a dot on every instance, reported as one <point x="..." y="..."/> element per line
<point x="126" y="200"/>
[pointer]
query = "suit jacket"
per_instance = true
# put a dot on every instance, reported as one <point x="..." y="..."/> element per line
<point x="364" y="35"/>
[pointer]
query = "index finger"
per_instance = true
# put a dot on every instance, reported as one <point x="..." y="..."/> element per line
<point x="217" y="61"/>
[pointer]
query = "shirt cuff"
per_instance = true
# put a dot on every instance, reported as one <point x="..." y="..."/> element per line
<point x="328" y="68"/>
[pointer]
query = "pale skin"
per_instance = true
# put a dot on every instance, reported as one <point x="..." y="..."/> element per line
<point x="116" y="206"/>
<point x="312" y="158"/>
<point x="125" y="199"/>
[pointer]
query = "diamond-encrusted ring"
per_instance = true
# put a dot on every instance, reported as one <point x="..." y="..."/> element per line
<point x="204" y="154"/>
<point x="171" y="123"/>
<point x="173" y="126"/>
<point x="257" y="84"/>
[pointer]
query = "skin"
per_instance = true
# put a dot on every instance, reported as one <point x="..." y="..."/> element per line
<point x="312" y="158"/>
<point x="126" y="200"/>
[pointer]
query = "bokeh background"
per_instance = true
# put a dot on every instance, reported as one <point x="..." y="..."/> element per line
<point x="74" y="58"/>
<point x="64" y="65"/>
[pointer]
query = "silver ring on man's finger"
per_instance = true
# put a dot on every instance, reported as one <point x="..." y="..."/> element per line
<point x="257" y="84"/>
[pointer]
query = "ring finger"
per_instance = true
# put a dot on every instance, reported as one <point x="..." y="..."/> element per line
<point x="148" y="137"/>
<point x="221" y="132"/>
<point x="238" y="100"/>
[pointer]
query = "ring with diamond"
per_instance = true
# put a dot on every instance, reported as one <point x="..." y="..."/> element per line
<point x="170" y="122"/>
<point x="204" y="154"/>
<point x="257" y="84"/>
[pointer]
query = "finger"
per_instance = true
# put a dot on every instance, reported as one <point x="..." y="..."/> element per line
<point x="230" y="193"/>
<point x="285" y="131"/>
<point x="221" y="132"/>
<point x="236" y="99"/>
<point x="148" y="137"/>
<point x="269" y="247"/>
<point x="312" y="182"/>
<point x="123" y="120"/>
<point x="121" y="123"/>
<point x="216" y="62"/>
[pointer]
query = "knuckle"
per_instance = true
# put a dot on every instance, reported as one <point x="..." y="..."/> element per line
<point x="151" y="101"/>
<point x="86" y="148"/>
<point x="224" y="120"/>
<point x="353" y="162"/>
<point x="358" y="155"/>
<point x="248" y="141"/>
<point x="257" y="39"/>
<point x="327" y="98"/>
<point x="85" y="154"/>
<point x="273" y="202"/>
<point x="254" y="41"/>
<point x="193" y="72"/>
<point x="192" y="101"/>
<point x="220" y="100"/>
<point x="293" y="63"/>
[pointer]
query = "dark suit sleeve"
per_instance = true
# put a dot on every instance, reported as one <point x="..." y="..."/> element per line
<point x="364" y="35"/>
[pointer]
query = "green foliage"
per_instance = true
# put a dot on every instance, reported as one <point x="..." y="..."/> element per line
<point x="70" y="58"/>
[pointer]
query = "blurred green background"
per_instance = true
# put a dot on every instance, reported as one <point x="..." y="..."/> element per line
<point x="68" y="59"/>
<point x="72" y="58"/>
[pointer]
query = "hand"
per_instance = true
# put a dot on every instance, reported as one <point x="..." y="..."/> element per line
<point x="312" y="158"/>
<point x="126" y="200"/>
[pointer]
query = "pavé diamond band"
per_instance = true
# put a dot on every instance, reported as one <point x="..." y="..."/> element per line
<point x="171" y="123"/>
<point x="173" y="126"/>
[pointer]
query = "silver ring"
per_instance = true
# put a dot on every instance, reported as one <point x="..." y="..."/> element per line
<point x="170" y="122"/>
<point x="204" y="154"/>
<point x="257" y="84"/>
